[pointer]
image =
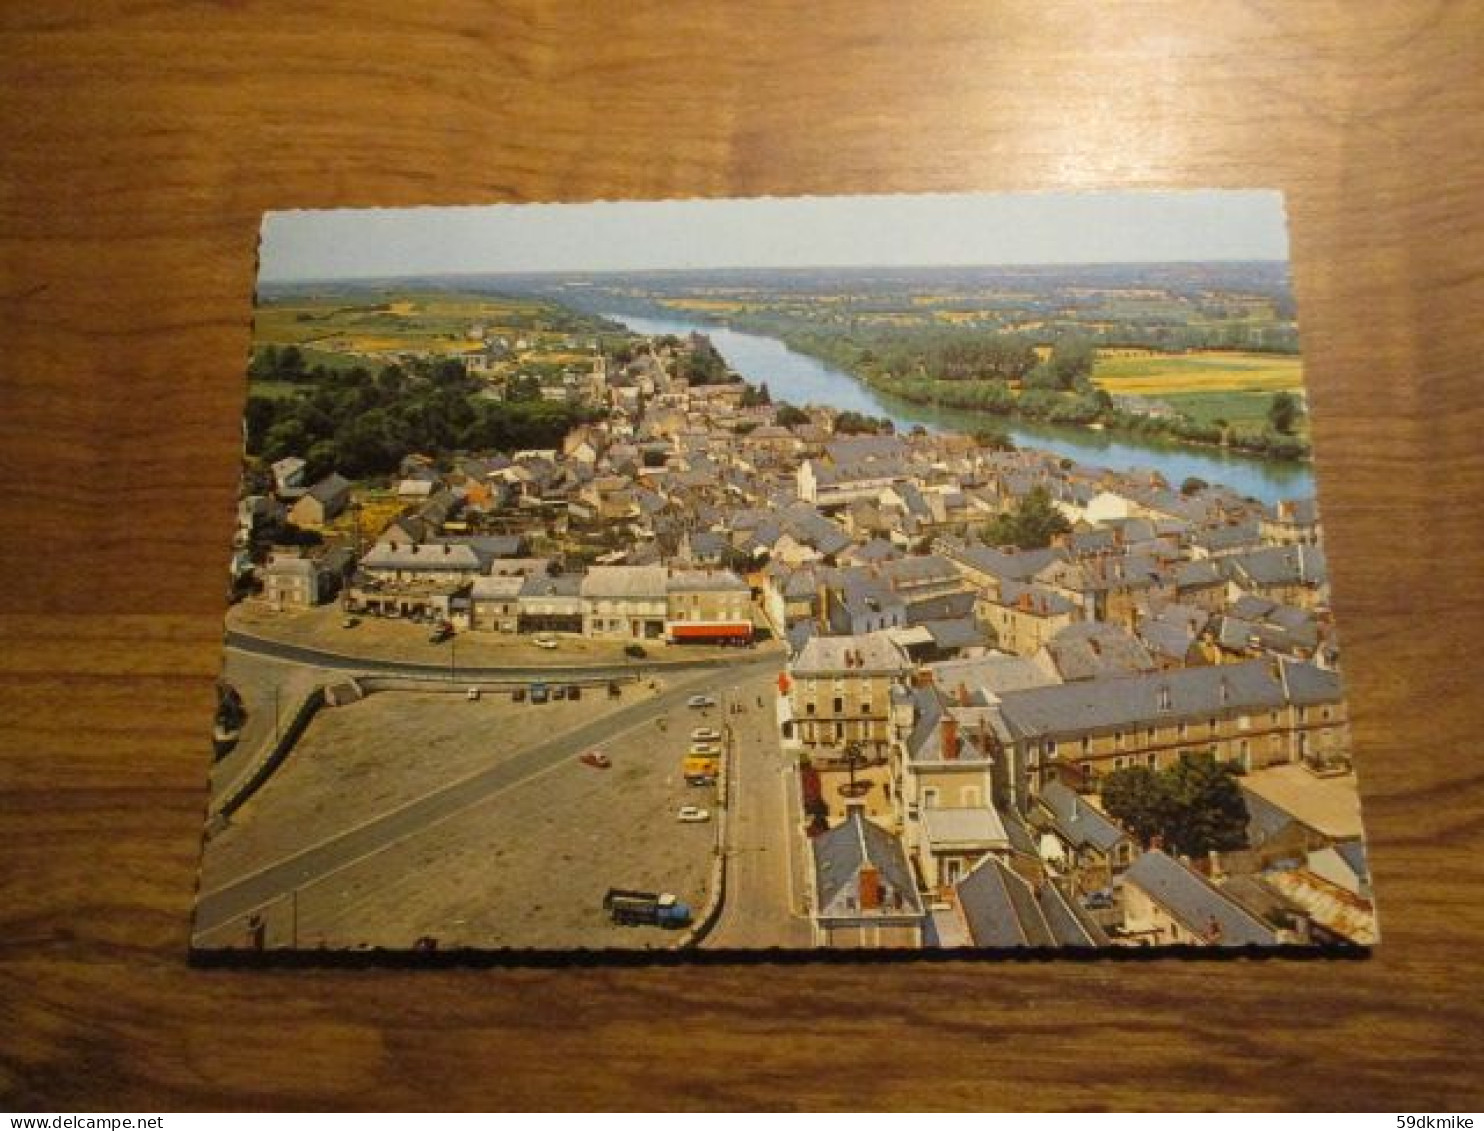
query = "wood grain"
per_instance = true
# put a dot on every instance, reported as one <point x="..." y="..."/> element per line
<point x="141" y="142"/>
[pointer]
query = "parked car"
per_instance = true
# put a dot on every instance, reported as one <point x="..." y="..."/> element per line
<point x="692" y="814"/>
<point x="596" y="759"/>
<point x="574" y="692"/>
<point x="350" y="622"/>
<point x="635" y="651"/>
<point x="547" y="642"/>
<point x="472" y="694"/>
<point x="540" y="693"/>
<point x="699" y="701"/>
<point x="705" y="750"/>
<point x="517" y="694"/>
<point x="559" y="691"/>
<point x="705" y="734"/>
<point x="441" y="633"/>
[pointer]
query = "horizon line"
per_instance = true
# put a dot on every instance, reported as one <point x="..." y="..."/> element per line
<point x="796" y="269"/>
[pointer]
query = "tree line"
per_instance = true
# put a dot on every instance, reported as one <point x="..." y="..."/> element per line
<point x="362" y="425"/>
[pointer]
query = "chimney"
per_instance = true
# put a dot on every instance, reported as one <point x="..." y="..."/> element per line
<point x="870" y="887"/>
<point x="949" y="738"/>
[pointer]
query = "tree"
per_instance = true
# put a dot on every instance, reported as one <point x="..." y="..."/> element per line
<point x="994" y="437"/>
<point x="1138" y="799"/>
<point x="1193" y="485"/>
<point x="790" y="416"/>
<point x="1194" y="806"/>
<point x="1031" y="525"/>
<point x="1071" y="360"/>
<point x="1209" y="813"/>
<point x="264" y="363"/>
<point x="1283" y="412"/>
<point x="290" y="363"/>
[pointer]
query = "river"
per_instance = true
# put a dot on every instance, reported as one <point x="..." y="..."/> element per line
<point x="801" y="380"/>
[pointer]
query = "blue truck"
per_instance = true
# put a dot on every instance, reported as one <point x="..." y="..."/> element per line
<point x="645" y="909"/>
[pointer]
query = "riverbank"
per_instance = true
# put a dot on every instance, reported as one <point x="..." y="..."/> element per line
<point x="982" y="401"/>
<point x="996" y="400"/>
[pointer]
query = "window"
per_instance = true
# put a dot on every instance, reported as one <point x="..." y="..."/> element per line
<point x="839" y="705"/>
<point x="930" y="797"/>
<point x="1213" y="726"/>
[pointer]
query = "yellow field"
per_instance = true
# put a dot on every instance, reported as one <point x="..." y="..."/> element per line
<point x="708" y="305"/>
<point x="1208" y="372"/>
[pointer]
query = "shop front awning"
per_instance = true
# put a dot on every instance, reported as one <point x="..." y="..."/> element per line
<point x="711" y="631"/>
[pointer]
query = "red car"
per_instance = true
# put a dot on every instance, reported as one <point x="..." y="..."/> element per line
<point x="596" y="759"/>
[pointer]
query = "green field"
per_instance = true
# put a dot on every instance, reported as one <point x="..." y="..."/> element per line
<point x="335" y="329"/>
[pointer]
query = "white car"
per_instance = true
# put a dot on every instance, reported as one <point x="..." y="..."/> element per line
<point x="699" y="701"/>
<point x="705" y="734"/>
<point x="544" y="642"/>
<point x="691" y="815"/>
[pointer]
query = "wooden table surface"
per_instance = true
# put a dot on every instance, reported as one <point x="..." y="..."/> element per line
<point x="139" y="142"/>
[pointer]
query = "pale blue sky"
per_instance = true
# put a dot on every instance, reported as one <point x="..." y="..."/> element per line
<point x="929" y="230"/>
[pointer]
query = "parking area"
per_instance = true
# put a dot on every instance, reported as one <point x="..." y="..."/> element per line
<point x="361" y="760"/>
<point x="525" y="868"/>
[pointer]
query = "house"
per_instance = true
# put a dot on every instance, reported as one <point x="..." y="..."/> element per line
<point x="864" y="891"/>
<point x="1093" y="650"/>
<point x="625" y="602"/>
<point x="1079" y="840"/>
<point x="943" y="773"/>
<point x="495" y="603"/>
<point x="708" y="606"/>
<point x="1023" y="618"/>
<point x="1164" y="902"/>
<point x="292" y="581"/>
<point x="1292" y="522"/>
<point x="1000" y="910"/>
<point x="1255" y="714"/>
<point x="1294" y="575"/>
<point x="1172" y="633"/>
<point x="288" y="477"/>
<point x="551" y="604"/>
<point x="322" y="502"/>
<point x="838" y="691"/>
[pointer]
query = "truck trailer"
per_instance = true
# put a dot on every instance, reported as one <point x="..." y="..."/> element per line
<point x="645" y="909"/>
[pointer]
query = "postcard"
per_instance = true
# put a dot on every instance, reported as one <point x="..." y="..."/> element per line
<point x="885" y="572"/>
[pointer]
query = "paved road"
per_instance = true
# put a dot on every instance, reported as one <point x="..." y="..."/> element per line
<point x="235" y="900"/>
<point x="759" y="907"/>
<point x="336" y="661"/>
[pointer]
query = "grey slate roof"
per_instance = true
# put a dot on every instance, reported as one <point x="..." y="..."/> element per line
<point x="1095" y="650"/>
<point x="1078" y="822"/>
<point x="1279" y="565"/>
<point x="1195" y="903"/>
<point x="1003" y="911"/>
<point x="839" y="855"/>
<point x="872" y="652"/>
<point x="1200" y="692"/>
